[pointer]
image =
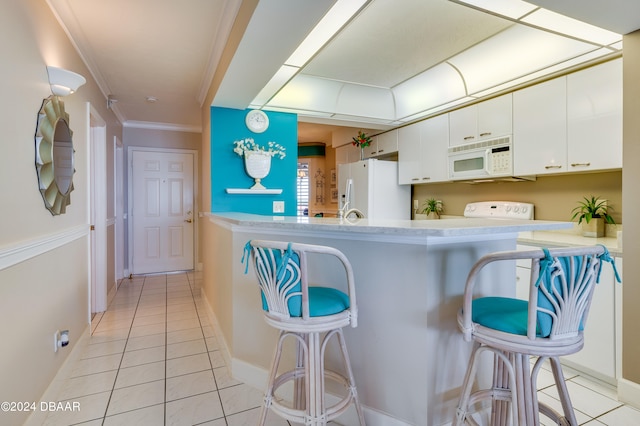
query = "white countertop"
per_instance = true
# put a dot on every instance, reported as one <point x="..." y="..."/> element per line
<point x="463" y="227"/>
<point x="567" y="239"/>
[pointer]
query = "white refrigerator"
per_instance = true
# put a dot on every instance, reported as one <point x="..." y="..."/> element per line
<point x="372" y="187"/>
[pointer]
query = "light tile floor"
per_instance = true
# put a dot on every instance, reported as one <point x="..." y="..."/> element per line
<point x="153" y="359"/>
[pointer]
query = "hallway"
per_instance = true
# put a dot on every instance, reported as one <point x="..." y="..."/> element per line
<point x="153" y="359"/>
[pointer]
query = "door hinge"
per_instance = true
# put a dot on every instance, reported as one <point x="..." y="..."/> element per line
<point x="92" y="227"/>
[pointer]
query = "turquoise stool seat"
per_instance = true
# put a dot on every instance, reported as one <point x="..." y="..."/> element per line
<point x="548" y="325"/>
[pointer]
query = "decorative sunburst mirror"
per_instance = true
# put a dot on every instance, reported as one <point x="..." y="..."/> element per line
<point x="54" y="155"/>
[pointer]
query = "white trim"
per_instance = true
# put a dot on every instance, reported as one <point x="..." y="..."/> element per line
<point x="25" y="250"/>
<point x="132" y="124"/>
<point x="118" y="206"/>
<point x="98" y="202"/>
<point x="196" y="195"/>
<point x="629" y="392"/>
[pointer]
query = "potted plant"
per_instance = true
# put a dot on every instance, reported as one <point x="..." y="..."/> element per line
<point x="593" y="211"/>
<point x="431" y="209"/>
<point x="361" y="141"/>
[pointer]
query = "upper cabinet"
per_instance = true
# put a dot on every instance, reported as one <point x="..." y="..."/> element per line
<point x="382" y="144"/>
<point x="422" y="151"/>
<point x="570" y="124"/>
<point x="485" y="120"/>
<point x="540" y="128"/>
<point x="348" y="153"/>
<point x="594" y="118"/>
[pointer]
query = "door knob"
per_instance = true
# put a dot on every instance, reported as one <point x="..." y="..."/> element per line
<point x="188" y="220"/>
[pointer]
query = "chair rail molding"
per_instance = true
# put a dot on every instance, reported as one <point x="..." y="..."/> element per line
<point x="25" y="250"/>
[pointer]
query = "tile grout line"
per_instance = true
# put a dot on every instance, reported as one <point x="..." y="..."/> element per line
<point x="224" y="415"/>
<point x="106" y="410"/>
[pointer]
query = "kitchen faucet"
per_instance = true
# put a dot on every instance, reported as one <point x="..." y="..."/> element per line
<point x="344" y="212"/>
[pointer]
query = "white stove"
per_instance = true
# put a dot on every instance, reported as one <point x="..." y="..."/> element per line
<point x="499" y="210"/>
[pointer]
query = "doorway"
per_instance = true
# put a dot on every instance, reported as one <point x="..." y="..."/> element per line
<point x="98" y="212"/>
<point x="162" y="210"/>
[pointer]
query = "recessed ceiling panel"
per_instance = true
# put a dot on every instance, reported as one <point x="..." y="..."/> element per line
<point x="619" y="16"/>
<point x="514" y="53"/>
<point x="394" y="40"/>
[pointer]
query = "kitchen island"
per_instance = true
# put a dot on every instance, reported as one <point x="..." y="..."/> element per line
<point x="407" y="354"/>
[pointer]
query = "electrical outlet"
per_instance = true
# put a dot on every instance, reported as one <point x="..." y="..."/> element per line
<point x="278" y="206"/>
<point x="416" y="204"/>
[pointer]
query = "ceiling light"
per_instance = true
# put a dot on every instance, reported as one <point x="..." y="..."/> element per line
<point x="110" y="101"/>
<point x="514" y="53"/>
<point x="282" y="76"/>
<point x="564" y="25"/>
<point x="531" y="15"/>
<point x="514" y="9"/>
<point x="329" y="25"/>
<point x="152" y="99"/>
<point x="64" y="82"/>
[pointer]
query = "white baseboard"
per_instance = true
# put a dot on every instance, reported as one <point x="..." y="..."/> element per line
<point x="257" y="377"/>
<point x="629" y="392"/>
<point x="38" y="417"/>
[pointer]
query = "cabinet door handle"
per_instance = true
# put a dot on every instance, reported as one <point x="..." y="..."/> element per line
<point x="485" y="134"/>
<point x="426" y="178"/>
<point x="380" y="151"/>
<point x="468" y="138"/>
<point x="552" y="167"/>
<point x="580" y="164"/>
<point x="415" y="179"/>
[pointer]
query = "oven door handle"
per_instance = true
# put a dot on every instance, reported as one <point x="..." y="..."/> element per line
<point x="488" y="168"/>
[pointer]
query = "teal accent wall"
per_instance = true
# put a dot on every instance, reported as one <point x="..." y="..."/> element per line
<point x="227" y="167"/>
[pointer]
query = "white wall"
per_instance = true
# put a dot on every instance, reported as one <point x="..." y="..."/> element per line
<point x="42" y="287"/>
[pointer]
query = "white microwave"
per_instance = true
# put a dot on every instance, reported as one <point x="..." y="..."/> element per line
<point x="480" y="160"/>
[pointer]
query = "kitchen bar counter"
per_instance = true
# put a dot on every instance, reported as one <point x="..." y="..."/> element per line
<point x="408" y="356"/>
<point x="458" y="227"/>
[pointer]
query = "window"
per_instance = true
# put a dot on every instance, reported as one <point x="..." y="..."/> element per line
<point x="303" y="188"/>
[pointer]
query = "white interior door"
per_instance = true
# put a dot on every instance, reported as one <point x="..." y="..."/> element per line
<point x="162" y="211"/>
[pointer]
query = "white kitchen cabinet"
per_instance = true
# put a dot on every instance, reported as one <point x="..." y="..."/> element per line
<point x="347" y="154"/>
<point x="594" y="118"/>
<point x="484" y="120"/>
<point x="409" y="155"/>
<point x="600" y="355"/>
<point x="422" y="151"/>
<point x="382" y="144"/>
<point x="570" y="124"/>
<point x="540" y="128"/>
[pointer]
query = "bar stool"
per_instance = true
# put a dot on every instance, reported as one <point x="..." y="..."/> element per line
<point x="311" y="315"/>
<point x="549" y="325"/>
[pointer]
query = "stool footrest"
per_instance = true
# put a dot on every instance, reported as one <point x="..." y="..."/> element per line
<point x="300" y="415"/>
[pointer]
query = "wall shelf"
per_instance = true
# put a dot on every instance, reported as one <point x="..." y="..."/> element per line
<point x="253" y="191"/>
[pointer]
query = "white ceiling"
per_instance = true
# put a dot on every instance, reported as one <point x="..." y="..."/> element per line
<point x="169" y="49"/>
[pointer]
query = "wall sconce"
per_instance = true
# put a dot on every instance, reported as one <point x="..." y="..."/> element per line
<point x="64" y="82"/>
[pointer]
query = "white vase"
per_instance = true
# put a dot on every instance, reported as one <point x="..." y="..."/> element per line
<point x="257" y="166"/>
